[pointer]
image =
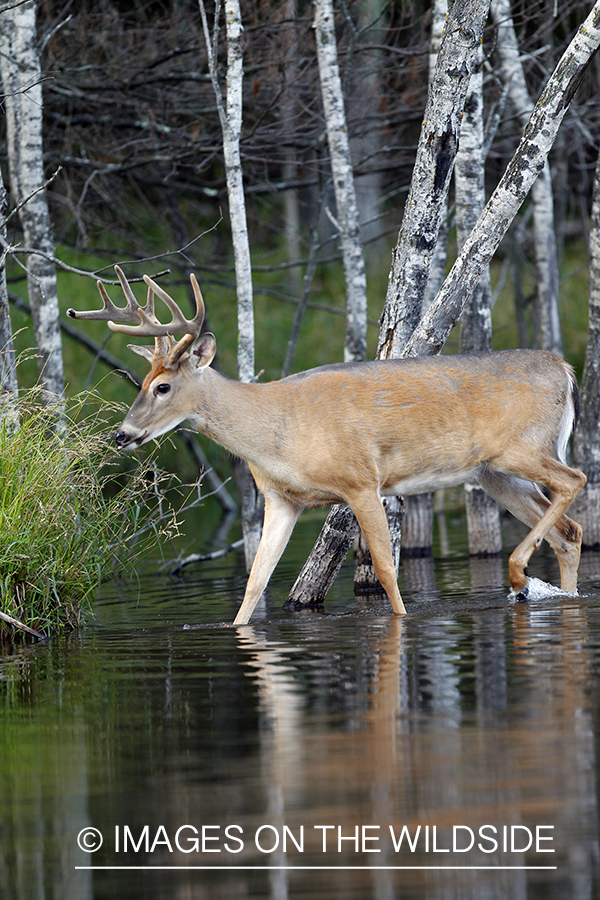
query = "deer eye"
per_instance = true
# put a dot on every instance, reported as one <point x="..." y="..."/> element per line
<point x="163" y="388"/>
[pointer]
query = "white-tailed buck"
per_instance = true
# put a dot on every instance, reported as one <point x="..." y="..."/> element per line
<point x="354" y="432"/>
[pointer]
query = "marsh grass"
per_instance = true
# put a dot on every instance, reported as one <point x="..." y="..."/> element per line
<point x="69" y="516"/>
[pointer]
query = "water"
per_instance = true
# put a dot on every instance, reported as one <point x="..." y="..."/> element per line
<point x="283" y="759"/>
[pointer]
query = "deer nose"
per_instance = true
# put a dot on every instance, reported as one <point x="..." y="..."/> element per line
<point x="121" y="439"/>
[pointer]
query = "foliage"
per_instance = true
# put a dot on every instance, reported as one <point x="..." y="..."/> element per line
<point x="66" y="518"/>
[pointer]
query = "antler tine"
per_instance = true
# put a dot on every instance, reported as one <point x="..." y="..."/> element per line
<point x="131" y="312"/>
<point x="179" y="324"/>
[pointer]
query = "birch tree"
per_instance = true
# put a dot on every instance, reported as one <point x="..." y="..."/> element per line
<point x="417" y="524"/>
<point x="586" y="442"/>
<point x="230" y="115"/>
<point x="8" y="371"/>
<point x="355" y="347"/>
<point x="483" y="517"/>
<point x="22" y="85"/>
<point x="418" y="234"/>
<point x="546" y="256"/>
<point x="506" y="200"/>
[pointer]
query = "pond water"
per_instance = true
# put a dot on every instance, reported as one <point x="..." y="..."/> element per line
<point x="344" y="754"/>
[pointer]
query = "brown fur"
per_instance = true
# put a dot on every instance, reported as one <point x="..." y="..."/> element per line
<point x="354" y="432"/>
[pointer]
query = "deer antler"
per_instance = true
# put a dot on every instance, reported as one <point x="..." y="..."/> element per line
<point x="146" y="322"/>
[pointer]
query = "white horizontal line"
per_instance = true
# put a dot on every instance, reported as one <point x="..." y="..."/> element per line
<point x="314" y="868"/>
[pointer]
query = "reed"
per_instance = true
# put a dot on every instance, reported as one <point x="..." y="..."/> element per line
<point x="69" y="517"/>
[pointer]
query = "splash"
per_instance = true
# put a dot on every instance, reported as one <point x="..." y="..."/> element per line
<point x="537" y="590"/>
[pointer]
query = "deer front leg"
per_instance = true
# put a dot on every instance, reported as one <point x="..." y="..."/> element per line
<point x="280" y="517"/>
<point x="372" y="519"/>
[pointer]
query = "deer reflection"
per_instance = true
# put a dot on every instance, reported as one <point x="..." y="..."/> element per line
<point x="298" y="761"/>
<point x="446" y="720"/>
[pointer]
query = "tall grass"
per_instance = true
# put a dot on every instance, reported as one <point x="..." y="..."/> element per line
<point x="68" y="516"/>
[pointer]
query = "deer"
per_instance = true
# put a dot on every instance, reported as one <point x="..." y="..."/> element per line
<point x="354" y="432"/>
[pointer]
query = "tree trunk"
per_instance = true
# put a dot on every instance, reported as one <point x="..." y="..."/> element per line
<point x="426" y="202"/>
<point x="355" y="348"/>
<point x="417" y="239"/>
<point x="483" y="517"/>
<point x="546" y="257"/>
<point x="8" y="371"/>
<point x="417" y="525"/>
<point x="586" y="443"/>
<point x="231" y="126"/>
<point x="291" y="200"/>
<point x="22" y="83"/>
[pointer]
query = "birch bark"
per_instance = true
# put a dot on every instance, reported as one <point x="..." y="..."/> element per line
<point x="546" y="256"/>
<point x="22" y="85"/>
<point x="355" y="347"/>
<point x="483" y="517"/>
<point x="417" y="239"/>
<point x="586" y="443"/>
<point x="417" y="525"/>
<point x="526" y="164"/>
<point x="438" y="144"/>
<point x="8" y="371"/>
<point x="231" y="125"/>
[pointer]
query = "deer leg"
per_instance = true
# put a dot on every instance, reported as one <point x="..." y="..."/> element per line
<point x="372" y="519"/>
<point x="280" y="517"/>
<point x="546" y="519"/>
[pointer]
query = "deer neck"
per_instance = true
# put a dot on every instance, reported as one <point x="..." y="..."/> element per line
<point x="237" y="416"/>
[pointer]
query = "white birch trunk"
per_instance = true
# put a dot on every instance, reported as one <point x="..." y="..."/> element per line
<point x="436" y="153"/>
<point x="586" y="443"/>
<point x="417" y="525"/>
<point x="231" y="126"/>
<point x="8" y="370"/>
<point x="483" y="517"/>
<point x="291" y="200"/>
<point x="355" y="347"/>
<point x="546" y="256"/>
<point x="21" y="78"/>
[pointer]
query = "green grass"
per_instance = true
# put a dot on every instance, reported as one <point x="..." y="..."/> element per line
<point x="68" y="516"/>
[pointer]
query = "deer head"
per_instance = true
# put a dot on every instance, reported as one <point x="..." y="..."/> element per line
<point x="158" y="408"/>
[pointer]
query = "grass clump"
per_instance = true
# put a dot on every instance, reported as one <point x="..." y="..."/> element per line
<point x="68" y="516"/>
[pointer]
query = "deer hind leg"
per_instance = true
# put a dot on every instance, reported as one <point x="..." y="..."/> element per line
<point x="372" y="519"/>
<point x="545" y="518"/>
<point x="280" y="517"/>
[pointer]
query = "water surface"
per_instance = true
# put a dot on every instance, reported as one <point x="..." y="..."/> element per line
<point x="285" y="758"/>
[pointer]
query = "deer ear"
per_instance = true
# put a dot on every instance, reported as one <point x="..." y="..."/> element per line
<point x="141" y="350"/>
<point x="202" y="351"/>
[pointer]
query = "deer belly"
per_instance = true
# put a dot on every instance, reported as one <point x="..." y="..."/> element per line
<point x="421" y="483"/>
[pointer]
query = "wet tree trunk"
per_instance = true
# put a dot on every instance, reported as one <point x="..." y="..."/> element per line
<point x="22" y="84"/>
<point x="355" y="348"/>
<point x="546" y="256"/>
<point x="417" y="525"/>
<point x="231" y="126"/>
<point x="483" y="517"/>
<point x="411" y="258"/>
<point x="586" y="444"/>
